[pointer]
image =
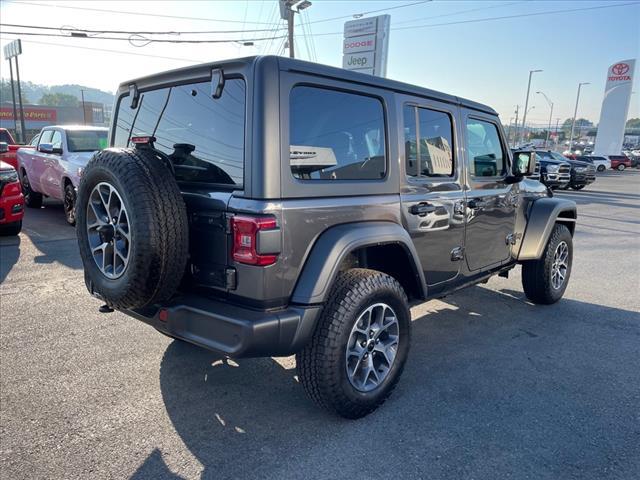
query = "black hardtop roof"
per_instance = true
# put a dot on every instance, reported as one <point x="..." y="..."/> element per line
<point x="292" y="64"/>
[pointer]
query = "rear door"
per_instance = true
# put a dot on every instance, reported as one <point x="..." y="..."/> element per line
<point x="431" y="189"/>
<point x="491" y="201"/>
<point x="203" y="138"/>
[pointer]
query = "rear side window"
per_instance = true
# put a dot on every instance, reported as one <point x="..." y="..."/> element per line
<point x="428" y="142"/>
<point x="484" y="149"/>
<point x="336" y="135"/>
<point x="86" y="140"/>
<point x="203" y="137"/>
<point x="56" y="139"/>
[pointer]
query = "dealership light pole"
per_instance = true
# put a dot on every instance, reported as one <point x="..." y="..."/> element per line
<point x="575" y="112"/>
<point x="12" y="50"/>
<point x="550" y="115"/>
<point x="286" y="13"/>
<point x="526" y="103"/>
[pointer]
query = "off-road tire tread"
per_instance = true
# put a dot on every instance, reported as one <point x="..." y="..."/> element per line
<point x="160" y="264"/>
<point x="317" y="362"/>
<point x="536" y="274"/>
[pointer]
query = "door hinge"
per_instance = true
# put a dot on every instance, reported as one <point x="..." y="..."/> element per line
<point x="457" y="254"/>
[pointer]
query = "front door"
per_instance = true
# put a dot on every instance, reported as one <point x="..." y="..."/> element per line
<point x="491" y="201"/>
<point x="431" y="193"/>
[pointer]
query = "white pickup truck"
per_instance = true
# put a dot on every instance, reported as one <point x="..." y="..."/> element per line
<point x="54" y="167"/>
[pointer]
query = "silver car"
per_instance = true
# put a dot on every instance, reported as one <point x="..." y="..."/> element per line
<point x="54" y="167"/>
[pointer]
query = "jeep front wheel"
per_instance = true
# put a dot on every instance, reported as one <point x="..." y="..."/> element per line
<point x="358" y="351"/>
<point x="545" y="280"/>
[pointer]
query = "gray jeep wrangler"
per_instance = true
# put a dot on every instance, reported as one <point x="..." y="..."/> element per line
<point x="268" y="206"/>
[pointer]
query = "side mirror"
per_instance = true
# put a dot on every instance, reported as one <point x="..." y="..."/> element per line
<point x="45" y="148"/>
<point x="4" y="147"/>
<point x="524" y="164"/>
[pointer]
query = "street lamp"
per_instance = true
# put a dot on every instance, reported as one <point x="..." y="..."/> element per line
<point x="550" y="115"/>
<point x="526" y="103"/>
<point x="575" y="112"/>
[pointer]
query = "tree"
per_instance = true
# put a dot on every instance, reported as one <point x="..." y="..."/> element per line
<point x="633" y="123"/>
<point x="58" y="100"/>
<point x="5" y="92"/>
<point x="581" y="123"/>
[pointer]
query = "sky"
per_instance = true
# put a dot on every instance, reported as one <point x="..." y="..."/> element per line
<point x="438" y="44"/>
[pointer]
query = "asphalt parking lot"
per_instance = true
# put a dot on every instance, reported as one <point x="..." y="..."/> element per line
<point x="494" y="387"/>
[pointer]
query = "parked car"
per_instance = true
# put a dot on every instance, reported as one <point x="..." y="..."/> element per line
<point x="620" y="162"/>
<point x="11" y="201"/>
<point x="53" y="169"/>
<point x="554" y="172"/>
<point x="8" y="152"/>
<point x="600" y="163"/>
<point x="256" y="227"/>
<point x="633" y="157"/>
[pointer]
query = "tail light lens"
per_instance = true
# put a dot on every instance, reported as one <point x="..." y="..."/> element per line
<point x="9" y="184"/>
<point x="245" y="238"/>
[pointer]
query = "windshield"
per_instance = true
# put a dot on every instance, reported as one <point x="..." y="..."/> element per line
<point x="557" y="156"/>
<point x="86" y="140"/>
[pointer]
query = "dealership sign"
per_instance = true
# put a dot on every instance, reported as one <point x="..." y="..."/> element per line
<point x="365" y="45"/>
<point x="30" y="114"/>
<point x="615" y="108"/>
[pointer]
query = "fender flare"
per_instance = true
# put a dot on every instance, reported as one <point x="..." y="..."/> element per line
<point x="543" y="215"/>
<point x="330" y="249"/>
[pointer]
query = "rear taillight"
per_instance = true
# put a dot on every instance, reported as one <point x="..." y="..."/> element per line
<point x="245" y="239"/>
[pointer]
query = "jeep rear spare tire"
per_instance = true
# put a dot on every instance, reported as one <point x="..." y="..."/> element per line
<point x="132" y="228"/>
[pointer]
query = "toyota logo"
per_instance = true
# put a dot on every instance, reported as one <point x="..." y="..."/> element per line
<point x="620" y="69"/>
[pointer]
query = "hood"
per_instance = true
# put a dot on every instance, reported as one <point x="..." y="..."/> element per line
<point x="579" y="163"/>
<point x="5" y="166"/>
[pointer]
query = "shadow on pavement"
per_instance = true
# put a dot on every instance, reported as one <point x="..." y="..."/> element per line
<point x="9" y="255"/>
<point x="494" y="386"/>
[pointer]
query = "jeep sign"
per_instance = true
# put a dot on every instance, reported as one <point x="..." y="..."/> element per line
<point x="365" y="45"/>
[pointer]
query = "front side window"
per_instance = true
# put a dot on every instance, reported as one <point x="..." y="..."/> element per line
<point x="34" y="140"/>
<point x="428" y="142"/>
<point x="56" y="139"/>
<point x="484" y="150"/>
<point x="336" y="135"/>
<point x="202" y="136"/>
<point x="86" y="140"/>
<point x="46" y="136"/>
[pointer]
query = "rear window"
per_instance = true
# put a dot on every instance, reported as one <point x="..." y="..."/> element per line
<point x="336" y="135"/>
<point x="86" y="140"/>
<point x="203" y="137"/>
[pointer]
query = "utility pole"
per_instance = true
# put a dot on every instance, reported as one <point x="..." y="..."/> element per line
<point x="556" y="132"/>
<point x="515" y="138"/>
<point x="287" y="9"/>
<point x="526" y="104"/>
<point x="23" y="135"/>
<point x="84" y="111"/>
<point x="575" y="112"/>
<point x="550" y="116"/>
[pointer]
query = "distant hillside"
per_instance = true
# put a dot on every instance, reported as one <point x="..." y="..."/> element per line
<point x="33" y="92"/>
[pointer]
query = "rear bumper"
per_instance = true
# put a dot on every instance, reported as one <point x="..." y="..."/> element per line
<point x="231" y="330"/>
<point x="11" y="209"/>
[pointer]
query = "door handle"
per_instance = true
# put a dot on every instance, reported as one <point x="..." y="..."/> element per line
<point x="421" y="209"/>
<point x="475" y="204"/>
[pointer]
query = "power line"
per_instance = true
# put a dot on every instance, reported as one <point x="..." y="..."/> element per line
<point x="126" y="12"/>
<point x="459" y="12"/>
<point x="188" y="60"/>
<point x="362" y="14"/>
<point x="133" y="32"/>
<point x="476" y="20"/>
<point x="147" y="40"/>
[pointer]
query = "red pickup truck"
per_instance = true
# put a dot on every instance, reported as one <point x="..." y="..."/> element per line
<point x="8" y="155"/>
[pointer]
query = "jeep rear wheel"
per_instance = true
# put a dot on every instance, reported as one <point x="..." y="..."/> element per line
<point x="132" y="228"/>
<point x="358" y="351"/>
<point x="545" y="280"/>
